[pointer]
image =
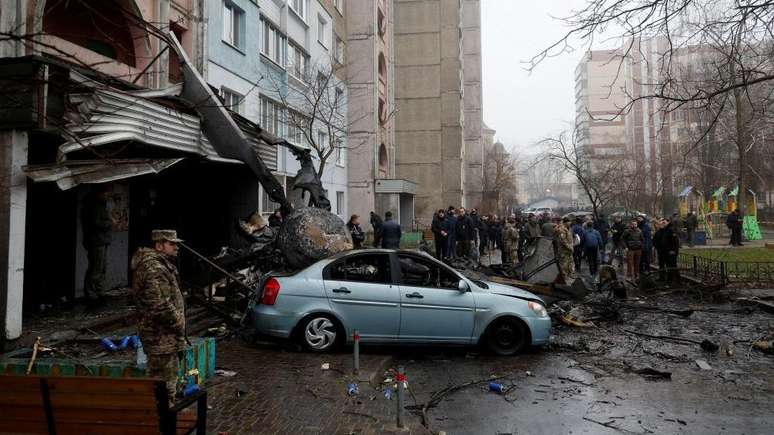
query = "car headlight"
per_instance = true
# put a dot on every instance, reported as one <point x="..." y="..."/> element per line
<point x="538" y="308"/>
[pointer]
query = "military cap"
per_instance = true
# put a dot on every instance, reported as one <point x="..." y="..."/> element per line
<point x="165" y="235"/>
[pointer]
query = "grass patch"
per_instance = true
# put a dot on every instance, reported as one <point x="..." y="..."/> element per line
<point x="733" y="254"/>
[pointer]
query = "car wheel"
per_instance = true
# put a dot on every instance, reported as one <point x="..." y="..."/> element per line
<point x="507" y="336"/>
<point x="319" y="333"/>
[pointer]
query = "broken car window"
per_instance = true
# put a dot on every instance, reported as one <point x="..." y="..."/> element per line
<point x="363" y="268"/>
<point x="424" y="273"/>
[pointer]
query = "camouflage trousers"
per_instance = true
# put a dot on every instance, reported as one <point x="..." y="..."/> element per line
<point x="165" y="367"/>
<point x="513" y="256"/>
<point x="566" y="266"/>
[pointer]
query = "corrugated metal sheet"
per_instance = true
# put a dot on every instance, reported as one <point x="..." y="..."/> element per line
<point x="107" y="116"/>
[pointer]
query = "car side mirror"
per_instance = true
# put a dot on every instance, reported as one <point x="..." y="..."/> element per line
<point x="463" y="286"/>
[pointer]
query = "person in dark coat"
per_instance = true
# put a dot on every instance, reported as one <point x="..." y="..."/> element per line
<point x="466" y="233"/>
<point x="376" y="224"/>
<point x="476" y="219"/>
<point x="603" y="228"/>
<point x="483" y="234"/>
<point x="496" y="233"/>
<point x="734" y="223"/>
<point x="647" y="244"/>
<point x="616" y="232"/>
<point x="358" y="236"/>
<point x="592" y="242"/>
<point x="390" y="232"/>
<point x="668" y="249"/>
<point x="450" y="225"/>
<point x="438" y="227"/>
<point x="691" y="223"/>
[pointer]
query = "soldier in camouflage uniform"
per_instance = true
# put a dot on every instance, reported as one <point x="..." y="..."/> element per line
<point x="511" y="241"/>
<point x="563" y="248"/>
<point x="159" y="300"/>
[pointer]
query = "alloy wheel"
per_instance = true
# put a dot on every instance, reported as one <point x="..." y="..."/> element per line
<point x="320" y="333"/>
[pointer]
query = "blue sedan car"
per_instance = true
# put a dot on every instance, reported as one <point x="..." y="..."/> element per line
<point x="395" y="297"/>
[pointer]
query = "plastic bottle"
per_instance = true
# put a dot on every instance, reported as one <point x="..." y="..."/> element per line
<point x="107" y="344"/>
<point x="496" y="387"/>
<point x="123" y="343"/>
<point x="142" y="359"/>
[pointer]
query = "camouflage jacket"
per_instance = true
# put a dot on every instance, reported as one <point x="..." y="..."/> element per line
<point x="160" y="305"/>
<point x="563" y="238"/>
<point x="510" y="236"/>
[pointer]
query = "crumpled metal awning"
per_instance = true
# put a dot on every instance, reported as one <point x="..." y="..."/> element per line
<point x="104" y="116"/>
<point x="74" y="173"/>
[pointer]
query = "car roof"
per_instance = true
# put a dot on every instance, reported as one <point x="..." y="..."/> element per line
<point x="373" y="251"/>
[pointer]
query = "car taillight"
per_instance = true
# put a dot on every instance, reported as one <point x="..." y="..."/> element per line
<point x="270" y="291"/>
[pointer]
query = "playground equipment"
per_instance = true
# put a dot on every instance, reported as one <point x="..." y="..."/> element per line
<point x="691" y="199"/>
<point x="718" y="201"/>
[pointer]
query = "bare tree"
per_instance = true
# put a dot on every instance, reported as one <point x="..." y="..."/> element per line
<point x="499" y="178"/>
<point x="736" y="35"/>
<point x="314" y="110"/>
<point x="599" y="178"/>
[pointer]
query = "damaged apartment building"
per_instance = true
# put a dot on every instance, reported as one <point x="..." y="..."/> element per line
<point x="89" y="97"/>
<point x="414" y="78"/>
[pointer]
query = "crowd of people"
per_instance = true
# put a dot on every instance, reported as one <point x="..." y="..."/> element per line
<point x="630" y="243"/>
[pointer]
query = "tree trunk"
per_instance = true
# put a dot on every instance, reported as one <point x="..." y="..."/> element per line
<point x="741" y="145"/>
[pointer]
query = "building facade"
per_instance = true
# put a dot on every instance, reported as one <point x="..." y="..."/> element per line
<point x="373" y="182"/>
<point x="262" y="57"/>
<point x="70" y="55"/>
<point x="435" y="147"/>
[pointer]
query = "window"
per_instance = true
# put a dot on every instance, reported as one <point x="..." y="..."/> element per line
<point x="233" y="19"/>
<point x="299" y="7"/>
<point x="421" y="272"/>
<point x="296" y="125"/>
<point x="322" y="139"/>
<point x="339" y="152"/>
<point x="373" y="268"/>
<point x="322" y="31"/>
<point x="272" y="116"/>
<point x="338" y="50"/>
<point x="339" y="203"/>
<point x="232" y="100"/>
<point x="298" y="61"/>
<point x="274" y="43"/>
<point x="339" y="5"/>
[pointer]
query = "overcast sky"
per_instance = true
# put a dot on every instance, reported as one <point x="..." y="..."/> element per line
<point x="525" y="107"/>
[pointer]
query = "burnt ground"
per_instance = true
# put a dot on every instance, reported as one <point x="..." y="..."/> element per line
<point x="594" y="380"/>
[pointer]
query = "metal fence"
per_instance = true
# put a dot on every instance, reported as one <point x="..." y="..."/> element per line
<point x="720" y="272"/>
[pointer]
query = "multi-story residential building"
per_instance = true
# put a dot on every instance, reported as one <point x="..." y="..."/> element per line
<point x="416" y="107"/>
<point x="373" y="185"/>
<point x="614" y="121"/>
<point x="600" y="99"/>
<point x="262" y="56"/>
<point x="432" y="81"/>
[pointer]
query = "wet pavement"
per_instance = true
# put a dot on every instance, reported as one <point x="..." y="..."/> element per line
<point x="588" y="381"/>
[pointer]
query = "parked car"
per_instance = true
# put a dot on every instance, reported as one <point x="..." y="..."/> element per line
<point x="539" y="211"/>
<point x="392" y="296"/>
<point x="579" y="214"/>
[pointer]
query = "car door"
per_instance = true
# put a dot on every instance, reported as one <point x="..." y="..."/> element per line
<point x="361" y="291"/>
<point x="432" y="309"/>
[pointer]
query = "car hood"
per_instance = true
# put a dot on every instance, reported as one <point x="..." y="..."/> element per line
<point x="515" y="292"/>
